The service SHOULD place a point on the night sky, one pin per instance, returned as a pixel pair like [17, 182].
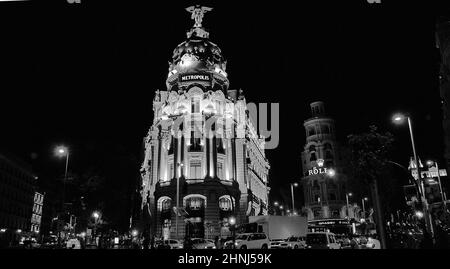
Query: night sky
[85, 75]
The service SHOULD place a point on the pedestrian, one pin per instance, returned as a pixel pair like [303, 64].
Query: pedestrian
[217, 242]
[152, 242]
[353, 242]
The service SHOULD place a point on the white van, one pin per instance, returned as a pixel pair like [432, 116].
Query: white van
[321, 240]
[73, 244]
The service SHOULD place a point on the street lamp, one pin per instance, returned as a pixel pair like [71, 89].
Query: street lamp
[178, 199]
[431, 163]
[62, 151]
[331, 172]
[292, 194]
[96, 216]
[363, 206]
[346, 197]
[399, 119]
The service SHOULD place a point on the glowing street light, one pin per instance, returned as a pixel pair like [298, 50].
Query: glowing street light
[276, 204]
[134, 233]
[96, 215]
[295, 184]
[399, 119]
[346, 197]
[419, 214]
[331, 172]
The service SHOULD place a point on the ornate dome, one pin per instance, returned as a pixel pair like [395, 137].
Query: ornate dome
[196, 54]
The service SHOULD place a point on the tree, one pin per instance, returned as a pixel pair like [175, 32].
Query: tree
[369, 161]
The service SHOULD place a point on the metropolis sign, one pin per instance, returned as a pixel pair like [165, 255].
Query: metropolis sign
[195, 77]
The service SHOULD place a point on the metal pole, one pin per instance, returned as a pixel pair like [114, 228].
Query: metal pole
[346, 197]
[440, 186]
[178, 204]
[419, 178]
[364, 208]
[292, 194]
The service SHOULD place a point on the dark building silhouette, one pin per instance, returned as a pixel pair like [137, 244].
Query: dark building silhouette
[17, 191]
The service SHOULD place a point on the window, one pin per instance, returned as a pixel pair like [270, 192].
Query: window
[165, 205]
[195, 203]
[171, 145]
[328, 154]
[220, 170]
[313, 157]
[220, 147]
[225, 204]
[195, 105]
[312, 148]
[311, 131]
[195, 169]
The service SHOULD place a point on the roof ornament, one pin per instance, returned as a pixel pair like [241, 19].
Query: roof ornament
[198, 12]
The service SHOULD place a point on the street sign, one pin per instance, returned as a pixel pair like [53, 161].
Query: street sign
[429, 173]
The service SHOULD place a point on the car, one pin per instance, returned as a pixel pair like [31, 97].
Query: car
[173, 244]
[321, 240]
[275, 243]
[200, 243]
[249, 241]
[294, 242]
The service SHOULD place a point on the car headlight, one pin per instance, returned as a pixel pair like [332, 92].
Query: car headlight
[235, 243]
[214, 247]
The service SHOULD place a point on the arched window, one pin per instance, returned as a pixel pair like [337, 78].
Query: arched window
[328, 154]
[194, 201]
[225, 204]
[312, 148]
[311, 131]
[313, 157]
[164, 204]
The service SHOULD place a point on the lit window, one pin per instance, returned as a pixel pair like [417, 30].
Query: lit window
[195, 169]
[195, 105]
[220, 170]
[225, 204]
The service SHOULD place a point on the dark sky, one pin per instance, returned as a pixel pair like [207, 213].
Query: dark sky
[85, 74]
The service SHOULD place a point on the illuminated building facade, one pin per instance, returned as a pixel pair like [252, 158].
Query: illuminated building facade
[201, 137]
[36, 216]
[17, 187]
[324, 169]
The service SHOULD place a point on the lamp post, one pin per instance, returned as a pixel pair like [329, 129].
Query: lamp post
[292, 195]
[62, 151]
[96, 216]
[346, 197]
[178, 200]
[399, 118]
[363, 206]
[431, 163]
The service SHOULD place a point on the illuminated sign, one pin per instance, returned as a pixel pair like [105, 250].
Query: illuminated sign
[316, 171]
[330, 222]
[195, 77]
